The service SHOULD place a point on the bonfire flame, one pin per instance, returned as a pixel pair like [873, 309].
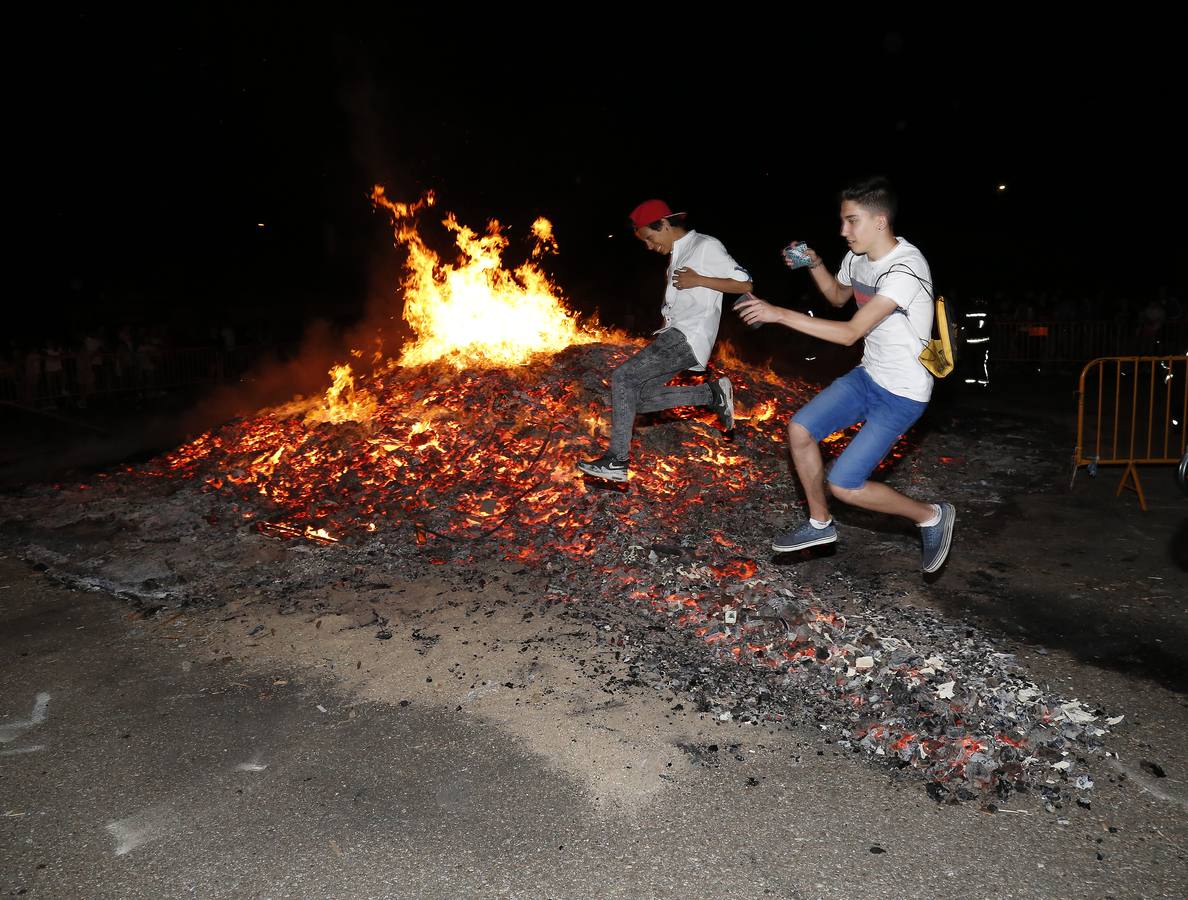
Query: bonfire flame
[476, 313]
[343, 403]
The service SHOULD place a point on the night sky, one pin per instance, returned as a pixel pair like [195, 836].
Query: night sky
[157, 146]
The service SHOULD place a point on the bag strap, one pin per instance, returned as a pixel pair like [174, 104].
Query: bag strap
[905, 269]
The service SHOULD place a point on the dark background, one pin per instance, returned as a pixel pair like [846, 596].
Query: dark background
[153, 147]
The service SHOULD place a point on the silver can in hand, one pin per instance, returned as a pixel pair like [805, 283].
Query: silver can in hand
[796, 255]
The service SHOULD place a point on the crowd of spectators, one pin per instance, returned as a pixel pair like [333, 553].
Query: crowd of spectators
[74, 369]
[1143, 323]
[1143, 312]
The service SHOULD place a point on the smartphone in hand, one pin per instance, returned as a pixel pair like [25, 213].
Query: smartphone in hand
[747, 296]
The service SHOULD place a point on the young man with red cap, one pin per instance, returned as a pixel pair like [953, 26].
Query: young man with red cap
[699, 272]
[891, 283]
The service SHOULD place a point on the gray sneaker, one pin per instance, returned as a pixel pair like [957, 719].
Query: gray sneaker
[605, 467]
[723, 392]
[937, 538]
[807, 535]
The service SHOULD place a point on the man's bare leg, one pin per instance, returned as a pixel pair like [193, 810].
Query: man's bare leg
[878, 497]
[810, 469]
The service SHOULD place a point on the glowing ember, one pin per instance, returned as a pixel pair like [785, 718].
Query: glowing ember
[460, 456]
[476, 312]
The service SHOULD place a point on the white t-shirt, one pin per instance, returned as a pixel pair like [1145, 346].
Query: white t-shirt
[697, 312]
[892, 349]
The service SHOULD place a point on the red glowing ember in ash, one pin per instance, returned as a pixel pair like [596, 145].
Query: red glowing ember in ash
[481, 458]
[473, 433]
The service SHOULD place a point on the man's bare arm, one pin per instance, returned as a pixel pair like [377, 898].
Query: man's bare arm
[688, 278]
[834, 292]
[753, 311]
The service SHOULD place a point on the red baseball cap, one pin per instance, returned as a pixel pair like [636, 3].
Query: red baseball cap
[651, 211]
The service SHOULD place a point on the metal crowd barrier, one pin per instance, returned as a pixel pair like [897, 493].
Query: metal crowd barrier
[1079, 341]
[1131, 411]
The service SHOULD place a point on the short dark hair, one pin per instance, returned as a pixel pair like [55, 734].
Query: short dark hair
[676, 220]
[875, 194]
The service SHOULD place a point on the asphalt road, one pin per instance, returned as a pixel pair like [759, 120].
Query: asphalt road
[134, 765]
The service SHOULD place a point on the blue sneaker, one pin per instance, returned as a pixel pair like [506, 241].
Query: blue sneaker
[807, 535]
[605, 467]
[937, 538]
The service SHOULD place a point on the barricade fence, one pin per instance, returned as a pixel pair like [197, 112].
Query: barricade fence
[1077, 342]
[1131, 411]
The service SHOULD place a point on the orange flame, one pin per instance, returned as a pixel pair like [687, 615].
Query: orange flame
[343, 403]
[761, 413]
[542, 230]
[476, 312]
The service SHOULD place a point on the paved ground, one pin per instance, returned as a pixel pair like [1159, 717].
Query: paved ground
[137, 763]
[174, 756]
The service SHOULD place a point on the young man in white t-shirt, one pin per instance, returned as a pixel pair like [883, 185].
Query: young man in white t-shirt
[699, 272]
[891, 283]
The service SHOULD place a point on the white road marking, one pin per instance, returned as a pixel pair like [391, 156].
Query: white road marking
[20, 750]
[11, 731]
[139, 828]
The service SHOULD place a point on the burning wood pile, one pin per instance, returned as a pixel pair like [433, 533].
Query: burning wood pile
[461, 454]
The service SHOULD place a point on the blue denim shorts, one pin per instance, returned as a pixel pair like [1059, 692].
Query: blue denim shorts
[856, 398]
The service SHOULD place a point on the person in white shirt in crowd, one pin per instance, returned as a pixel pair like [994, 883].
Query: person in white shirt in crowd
[700, 271]
[890, 282]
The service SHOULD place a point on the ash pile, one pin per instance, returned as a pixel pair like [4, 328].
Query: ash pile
[471, 468]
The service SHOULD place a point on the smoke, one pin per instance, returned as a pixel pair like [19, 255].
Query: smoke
[50, 446]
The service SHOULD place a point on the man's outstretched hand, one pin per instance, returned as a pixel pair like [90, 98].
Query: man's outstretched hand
[755, 311]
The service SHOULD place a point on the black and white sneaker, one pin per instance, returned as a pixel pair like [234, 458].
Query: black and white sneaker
[605, 467]
[723, 392]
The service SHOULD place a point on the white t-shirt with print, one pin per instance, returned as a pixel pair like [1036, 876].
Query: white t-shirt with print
[892, 349]
[697, 312]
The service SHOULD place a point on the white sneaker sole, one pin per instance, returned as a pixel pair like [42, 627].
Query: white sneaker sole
[605, 474]
[794, 547]
[946, 543]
